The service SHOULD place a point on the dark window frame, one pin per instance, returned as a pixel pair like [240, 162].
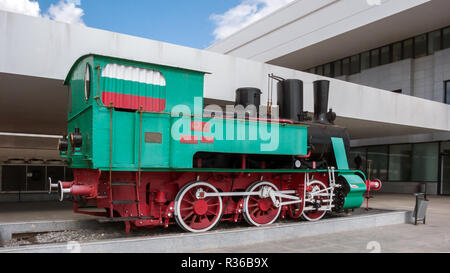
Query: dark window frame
[446, 99]
[403, 48]
[415, 50]
[401, 51]
[389, 54]
[379, 57]
[440, 41]
[361, 58]
[348, 68]
[340, 68]
[358, 65]
[443, 40]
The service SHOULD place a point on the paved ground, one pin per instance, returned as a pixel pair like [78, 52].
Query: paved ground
[432, 237]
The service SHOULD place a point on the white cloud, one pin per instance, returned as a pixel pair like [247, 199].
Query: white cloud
[242, 15]
[26, 7]
[67, 11]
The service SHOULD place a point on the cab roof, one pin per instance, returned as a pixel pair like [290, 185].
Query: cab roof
[66, 81]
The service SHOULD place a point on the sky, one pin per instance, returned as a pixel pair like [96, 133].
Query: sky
[192, 23]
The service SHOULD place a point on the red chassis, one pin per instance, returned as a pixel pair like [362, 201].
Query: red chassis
[197, 201]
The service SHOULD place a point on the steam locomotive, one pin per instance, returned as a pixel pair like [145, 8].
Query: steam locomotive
[145, 151]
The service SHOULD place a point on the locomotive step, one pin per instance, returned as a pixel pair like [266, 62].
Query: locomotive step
[123, 184]
[123, 219]
[121, 202]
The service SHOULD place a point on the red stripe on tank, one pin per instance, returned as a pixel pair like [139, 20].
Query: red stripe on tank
[189, 139]
[198, 126]
[207, 140]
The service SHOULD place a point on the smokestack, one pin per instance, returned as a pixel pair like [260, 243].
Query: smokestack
[290, 100]
[321, 93]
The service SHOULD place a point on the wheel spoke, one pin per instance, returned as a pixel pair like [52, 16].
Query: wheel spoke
[191, 194]
[205, 218]
[254, 211]
[210, 212]
[187, 201]
[187, 216]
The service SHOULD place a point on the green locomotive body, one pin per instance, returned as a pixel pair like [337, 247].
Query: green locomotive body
[144, 148]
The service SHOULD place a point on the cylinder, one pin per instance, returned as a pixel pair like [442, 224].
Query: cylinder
[290, 99]
[321, 93]
[249, 96]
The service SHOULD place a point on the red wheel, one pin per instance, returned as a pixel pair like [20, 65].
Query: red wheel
[316, 194]
[259, 209]
[196, 213]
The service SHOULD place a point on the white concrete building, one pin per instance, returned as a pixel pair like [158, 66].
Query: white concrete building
[36, 54]
[395, 45]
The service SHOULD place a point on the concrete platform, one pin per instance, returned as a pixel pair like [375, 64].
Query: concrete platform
[17, 212]
[8, 229]
[432, 237]
[31, 217]
[236, 237]
[407, 238]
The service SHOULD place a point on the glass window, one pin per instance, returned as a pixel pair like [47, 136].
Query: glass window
[445, 147]
[408, 49]
[87, 82]
[400, 162]
[399, 91]
[434, 41]
[319, 70]
[327, 70]
[375, 57]
[446, 37]
[365, 60]
[346, 66]
[420, 46]
[337, 68]
[357, 158]
[311, 70]
[69, 98]
[377, 162]
[425, 162]
[385, 55]
[447, 92]
[354, 64]
[397, 52]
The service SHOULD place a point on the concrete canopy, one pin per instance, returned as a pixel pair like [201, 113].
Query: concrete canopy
[36, 54]
[311, 32]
